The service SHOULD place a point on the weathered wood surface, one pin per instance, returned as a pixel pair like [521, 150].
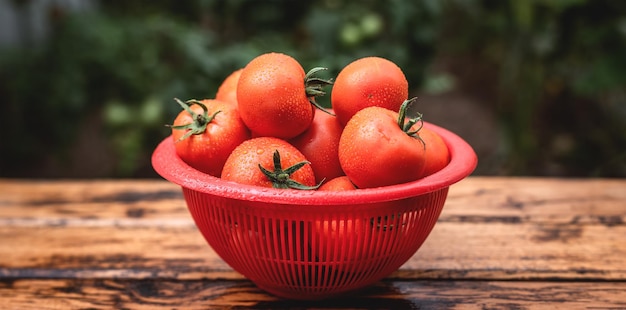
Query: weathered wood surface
[499, 243]
[224, 294]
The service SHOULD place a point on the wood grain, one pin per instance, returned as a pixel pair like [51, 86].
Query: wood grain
[196, 294]
[499, 243]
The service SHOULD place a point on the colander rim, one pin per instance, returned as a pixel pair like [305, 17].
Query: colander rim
[463, 161]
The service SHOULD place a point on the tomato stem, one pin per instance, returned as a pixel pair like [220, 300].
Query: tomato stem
[406, 123]
[282, 178]
[200, 121]
[314, 87]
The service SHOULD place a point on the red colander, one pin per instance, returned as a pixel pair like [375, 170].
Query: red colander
[315, 244]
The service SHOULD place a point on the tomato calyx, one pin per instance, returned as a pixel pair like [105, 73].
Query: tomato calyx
[406, 123]
[314, 86]
[200, 121]
[281, 178]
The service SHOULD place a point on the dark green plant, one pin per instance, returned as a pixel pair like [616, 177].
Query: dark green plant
[558, 73]
[122, 65]
[553, 72]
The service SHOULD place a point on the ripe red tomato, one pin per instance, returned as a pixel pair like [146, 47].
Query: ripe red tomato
[269, 162]
[337, 235]
[341, 183]
[206, 132]
[320, 145]
[366, 82]
[437, 153]
[245, 237]
[228, 89]
[378, 147]
[276, 97]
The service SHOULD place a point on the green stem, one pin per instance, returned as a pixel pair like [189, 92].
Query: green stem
[314, 87]
[200, 121]
[282, 178]
[406, 123]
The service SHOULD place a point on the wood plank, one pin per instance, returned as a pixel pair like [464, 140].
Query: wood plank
[473, 199]
[528, 228]
[198, 294]
[104, 252]
[181, 252]
[491, 228]
[90, 199]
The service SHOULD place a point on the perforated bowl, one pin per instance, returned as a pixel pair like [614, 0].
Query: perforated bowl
[315, 244]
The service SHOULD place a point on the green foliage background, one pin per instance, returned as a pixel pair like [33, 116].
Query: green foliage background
[553, 73]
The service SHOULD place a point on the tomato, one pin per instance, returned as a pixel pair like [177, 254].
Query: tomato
[343, 241]
[248, 239]
[320, 145]
[341, 183]
[206, 132]
[437, 153]
[378, 147]
[227, 91]
[339, 235]
[366, 82]
[269, 162]
[276, 98]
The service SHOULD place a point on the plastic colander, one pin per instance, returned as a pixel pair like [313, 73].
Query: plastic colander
[315, 244]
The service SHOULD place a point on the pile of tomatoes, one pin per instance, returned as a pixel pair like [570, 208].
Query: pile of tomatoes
[264, 127]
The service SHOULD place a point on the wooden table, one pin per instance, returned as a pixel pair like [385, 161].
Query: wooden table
[509, 243]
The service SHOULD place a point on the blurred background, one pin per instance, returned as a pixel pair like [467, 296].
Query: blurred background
[537, 87]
